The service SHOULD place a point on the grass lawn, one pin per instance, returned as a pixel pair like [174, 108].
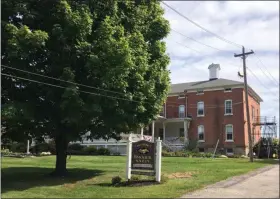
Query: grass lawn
[90, 177]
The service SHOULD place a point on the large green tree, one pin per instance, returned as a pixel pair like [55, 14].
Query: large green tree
[116, 48]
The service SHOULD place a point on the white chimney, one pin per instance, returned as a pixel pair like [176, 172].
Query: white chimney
[214, 71]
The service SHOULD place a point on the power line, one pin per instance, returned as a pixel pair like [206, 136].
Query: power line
[191, 21]
[199, 52]
[197, 41]
[265, 74]
[25, 71]
[267, 70]
[259, 80]
[186, 46]
[58, 86]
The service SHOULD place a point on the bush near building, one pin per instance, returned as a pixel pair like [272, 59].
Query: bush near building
[266, 147]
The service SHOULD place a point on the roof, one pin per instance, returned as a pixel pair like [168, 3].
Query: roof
[190, 86]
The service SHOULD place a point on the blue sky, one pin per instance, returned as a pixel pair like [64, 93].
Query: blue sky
[254, 24]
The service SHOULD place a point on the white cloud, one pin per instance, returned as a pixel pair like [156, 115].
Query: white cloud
[253, 24]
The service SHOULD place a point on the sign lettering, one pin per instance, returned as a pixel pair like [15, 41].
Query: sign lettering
[143, 155]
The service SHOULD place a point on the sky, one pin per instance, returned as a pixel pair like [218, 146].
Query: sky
[253, 24]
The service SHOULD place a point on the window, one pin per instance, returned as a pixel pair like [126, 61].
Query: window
[229, 151]
[201, 150]
[181, 111]
[229, 132]
[162, 111]
[227, 90]
[181, 132]
[200, 109]
[181, 96]
[200, 92]
[200, 133]
[228, 107]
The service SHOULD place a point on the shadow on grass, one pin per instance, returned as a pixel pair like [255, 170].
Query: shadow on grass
[267, 161]
[130, 184]
[22, 178]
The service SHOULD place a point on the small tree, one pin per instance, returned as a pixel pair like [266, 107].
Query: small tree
[191, 145]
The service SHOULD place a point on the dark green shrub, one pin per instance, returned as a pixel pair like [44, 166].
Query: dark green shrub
[90, 150]
[18, 147]
[191, 145]
[117, 153]
[164, 153]
[43, 147]
[208, 155]
[116, 180]
[103, 151]
[261, 147]
[179, 153]
[75, 147]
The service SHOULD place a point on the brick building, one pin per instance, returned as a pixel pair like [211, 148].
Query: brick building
[206, 111]
[203, 112]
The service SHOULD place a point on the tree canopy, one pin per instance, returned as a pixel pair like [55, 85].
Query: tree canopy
[106, 62]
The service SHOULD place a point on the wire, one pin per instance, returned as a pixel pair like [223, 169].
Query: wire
[198, 41]
[25, 71]
[191, 21]
[259, 80]
[267, 70]
[53, 85]
[186, 46]
[199, 52]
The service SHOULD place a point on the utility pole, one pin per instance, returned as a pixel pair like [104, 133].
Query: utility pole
[243, 55]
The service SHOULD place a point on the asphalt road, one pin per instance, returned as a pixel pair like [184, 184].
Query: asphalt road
[262, 183]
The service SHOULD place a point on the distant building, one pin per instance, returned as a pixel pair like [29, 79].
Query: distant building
[202, 111]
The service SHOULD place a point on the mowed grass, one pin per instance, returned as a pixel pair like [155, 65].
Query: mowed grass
[91, 177]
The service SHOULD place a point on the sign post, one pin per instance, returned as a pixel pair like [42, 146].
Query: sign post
[143, 158]
[128, 160]
[158, 160]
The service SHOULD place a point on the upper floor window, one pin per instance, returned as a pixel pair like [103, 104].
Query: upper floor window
[200, 108]
[181, 96]
[200, 92]
[227, 90]
[229, 132]
[200, 133]
[181, 111]
[228, 107]
[162, 112]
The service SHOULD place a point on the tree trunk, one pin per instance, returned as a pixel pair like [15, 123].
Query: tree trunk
[61, 145]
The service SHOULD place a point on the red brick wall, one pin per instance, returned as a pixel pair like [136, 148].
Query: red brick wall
[214, 120]
[252, 102]
[172, 106]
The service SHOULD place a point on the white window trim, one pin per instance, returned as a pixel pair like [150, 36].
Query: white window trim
[227, 133]
[181, 96]
[180, 112]
[226, 107]
[203, 109]
[228, 91]
[198, 133]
